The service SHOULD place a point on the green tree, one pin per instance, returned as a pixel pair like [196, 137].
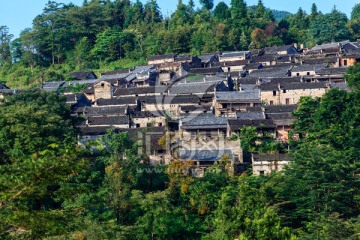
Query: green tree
[5, 44]
[207, 4]
[39, 160]
[221, 11]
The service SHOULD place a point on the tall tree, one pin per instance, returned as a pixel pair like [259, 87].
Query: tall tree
[207, 4]
[5, 43]
[221, 11]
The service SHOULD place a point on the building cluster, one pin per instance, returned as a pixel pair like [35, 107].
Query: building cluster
[199, 103]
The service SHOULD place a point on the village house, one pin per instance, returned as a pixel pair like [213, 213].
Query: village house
[105, 111]
[123, 101]
[110, 121]
[139, 91]
[282, 118]
[103, 90]
[290, 93]
[208, 60]
[281, 50]
[83, 75]
[227, 103]
[159, 59]
[306, 70]
[234, 56]
[167, 105]
[263, 164]
[265, 127]
[147, 119]
[233, 66]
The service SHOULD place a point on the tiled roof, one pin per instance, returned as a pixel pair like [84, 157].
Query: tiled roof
[260, 157]
[306, 67]
[211, 70]
[130, 91]
[204, 121]
[170, 99]
[103, 111]
[280, 108]
[238, 96]
[250, 115]
[81, 75]
[331, 71]
[52, 86]
[233, 54]
[311, 85]
[236, 124]
[204, 155]
[117, 101]
[108, 121]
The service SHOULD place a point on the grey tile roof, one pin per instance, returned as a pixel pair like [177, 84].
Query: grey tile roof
[321, 60]
[233, 54]
[264, 58]
[103, 111]
[331, 71]
[52, 86]
[238, 96]
[275, 71]
[236, 124]
[280, 108]
[117, 101]
[207, 57]
[204, 71]
[108, 121]
[272, 50]
[306, 67]
[204, 155]
[81, 75]
[194, 87]
[259, 157]
[115, 76]
[131, 91]
[329, 45]
[342, 86]
[87, 82]
[204, 121]
[311, 85]
[191, 108]
[170, 99]
[250, 115]
[95, 131]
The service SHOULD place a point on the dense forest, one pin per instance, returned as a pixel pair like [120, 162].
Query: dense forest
[52, 189]
[104, 34]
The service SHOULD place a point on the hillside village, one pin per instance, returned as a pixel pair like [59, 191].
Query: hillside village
[199, 103]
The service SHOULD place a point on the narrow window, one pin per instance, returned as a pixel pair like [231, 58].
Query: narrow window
[274, 93]
[271, 102]
[287, 101]
[345, 62]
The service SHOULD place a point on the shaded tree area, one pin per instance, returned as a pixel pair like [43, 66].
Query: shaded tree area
[51, 189]
[118, 34]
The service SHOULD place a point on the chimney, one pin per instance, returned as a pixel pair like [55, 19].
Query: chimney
[301, 46]
[295, 45]
[279, 86]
